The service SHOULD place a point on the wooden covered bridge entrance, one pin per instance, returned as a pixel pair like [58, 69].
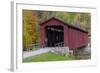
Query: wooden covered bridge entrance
[54, 36]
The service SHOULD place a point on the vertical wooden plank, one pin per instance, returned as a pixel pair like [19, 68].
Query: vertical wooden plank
[42, 32]
[65, 36]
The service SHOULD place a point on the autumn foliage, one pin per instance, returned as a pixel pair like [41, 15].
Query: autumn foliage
[29, 30]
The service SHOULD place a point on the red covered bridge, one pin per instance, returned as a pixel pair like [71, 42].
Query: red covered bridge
[55, 32]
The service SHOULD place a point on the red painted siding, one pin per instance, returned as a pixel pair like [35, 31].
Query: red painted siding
[77, 38]
[42, 37]
[66, 36]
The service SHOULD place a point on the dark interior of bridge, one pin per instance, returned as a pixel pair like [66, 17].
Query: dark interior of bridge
[54, 36]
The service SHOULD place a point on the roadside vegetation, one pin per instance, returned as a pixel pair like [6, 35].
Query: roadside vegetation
[48, 57]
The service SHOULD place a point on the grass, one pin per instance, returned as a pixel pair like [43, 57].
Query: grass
[47, 57]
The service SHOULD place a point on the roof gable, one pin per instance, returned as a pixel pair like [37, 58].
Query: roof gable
[53, 18]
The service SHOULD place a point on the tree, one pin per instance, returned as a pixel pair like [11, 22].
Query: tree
[29, 28]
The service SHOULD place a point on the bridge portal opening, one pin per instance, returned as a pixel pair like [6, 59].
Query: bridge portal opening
[54, 36]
